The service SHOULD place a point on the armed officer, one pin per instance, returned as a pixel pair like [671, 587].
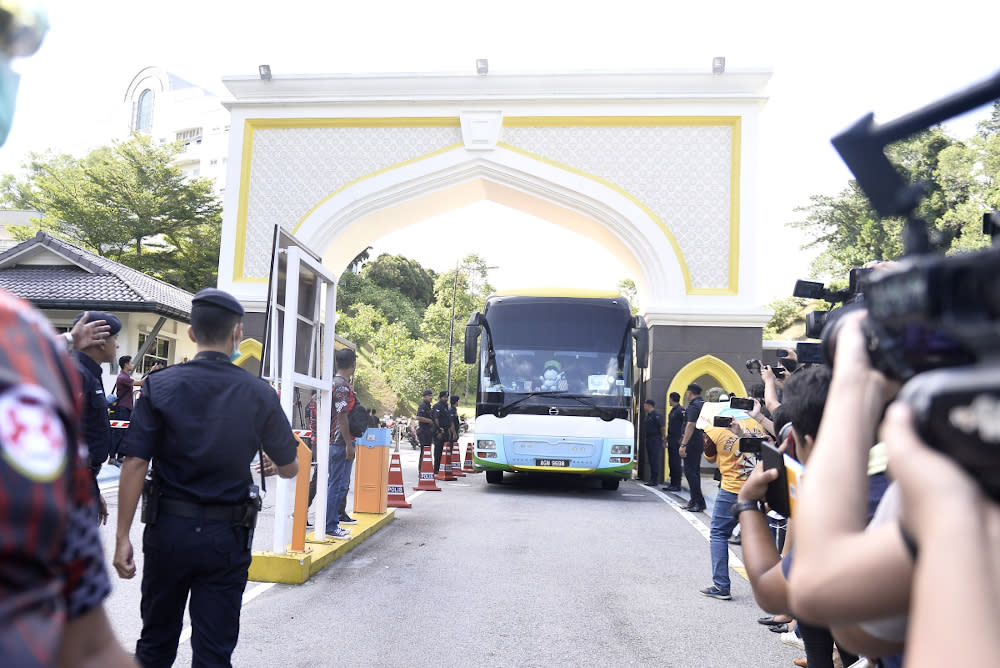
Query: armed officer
[201, 423]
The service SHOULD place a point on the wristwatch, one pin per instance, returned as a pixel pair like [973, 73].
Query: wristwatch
[740, 506]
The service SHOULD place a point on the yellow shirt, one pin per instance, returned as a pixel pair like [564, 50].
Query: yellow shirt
[734, 465]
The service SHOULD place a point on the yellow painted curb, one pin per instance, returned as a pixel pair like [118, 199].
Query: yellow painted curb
[297, 567]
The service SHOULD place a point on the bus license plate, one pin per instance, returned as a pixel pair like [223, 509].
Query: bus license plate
[552, 462]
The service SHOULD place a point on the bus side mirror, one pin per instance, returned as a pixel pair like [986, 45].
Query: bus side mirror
[641, 335]
[471, 334]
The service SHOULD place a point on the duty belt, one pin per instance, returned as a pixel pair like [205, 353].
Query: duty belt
[224, 513]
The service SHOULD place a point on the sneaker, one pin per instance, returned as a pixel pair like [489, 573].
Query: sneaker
[340, 533]
[347, 519]
[790, 638]
[715, 592]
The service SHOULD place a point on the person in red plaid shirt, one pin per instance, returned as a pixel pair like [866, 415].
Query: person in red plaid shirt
[52, 576]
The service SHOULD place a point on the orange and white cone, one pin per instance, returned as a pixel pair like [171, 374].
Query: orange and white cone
[426, 482]
[456, 460]
[444, 469]
[468, 466]
[397, 497]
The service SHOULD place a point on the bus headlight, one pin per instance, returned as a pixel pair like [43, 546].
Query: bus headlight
[486, 444]
[621, 449]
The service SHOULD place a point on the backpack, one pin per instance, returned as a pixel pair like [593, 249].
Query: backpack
[357, 417]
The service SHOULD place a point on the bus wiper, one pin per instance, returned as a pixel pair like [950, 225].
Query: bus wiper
[583, 399]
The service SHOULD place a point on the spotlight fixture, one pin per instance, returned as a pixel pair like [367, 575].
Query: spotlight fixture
[482, 66]
[718, 65]
[265, 72]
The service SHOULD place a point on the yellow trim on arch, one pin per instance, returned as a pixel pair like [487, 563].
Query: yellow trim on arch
[251, 125]
[707, 365]
[733, 122]
[735, 125]
[249, 349]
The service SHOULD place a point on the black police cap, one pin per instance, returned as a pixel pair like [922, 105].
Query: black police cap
[93, 316]
[217, 297]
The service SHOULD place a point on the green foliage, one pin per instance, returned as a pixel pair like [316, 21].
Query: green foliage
[786, 311]
[405, 276]
[129, 203]
[960, 181]
[627, 289]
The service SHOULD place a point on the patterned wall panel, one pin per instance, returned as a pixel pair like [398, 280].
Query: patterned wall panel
[294, 169]
[682, 173]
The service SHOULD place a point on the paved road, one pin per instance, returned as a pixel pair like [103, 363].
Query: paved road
[535, 572]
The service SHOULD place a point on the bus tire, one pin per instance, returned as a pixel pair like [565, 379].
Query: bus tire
[610, 484]
[493, 476]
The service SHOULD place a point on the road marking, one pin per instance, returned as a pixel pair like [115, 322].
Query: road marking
[734, 562]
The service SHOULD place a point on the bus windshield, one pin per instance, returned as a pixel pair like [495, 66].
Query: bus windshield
[581, 348]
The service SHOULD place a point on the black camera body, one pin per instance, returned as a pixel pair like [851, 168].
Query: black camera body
[958, 413]
[930, 312]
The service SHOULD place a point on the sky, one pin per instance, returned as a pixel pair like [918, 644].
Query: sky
[831, 63]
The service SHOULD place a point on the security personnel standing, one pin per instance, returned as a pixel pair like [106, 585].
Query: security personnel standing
[442, 427]
[652, 429]
[94, 422]
[201, 423]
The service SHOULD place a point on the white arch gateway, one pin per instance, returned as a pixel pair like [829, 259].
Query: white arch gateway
[658, 167]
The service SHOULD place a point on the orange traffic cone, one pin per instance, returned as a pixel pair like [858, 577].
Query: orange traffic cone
[456, 461]
[427, 473]
[444, 469]
[468, 466]
[397, 498]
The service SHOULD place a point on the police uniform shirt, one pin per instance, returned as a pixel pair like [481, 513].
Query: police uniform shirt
[96, 424]
[442, 418]
[652, 425]
[425, 430]
[201, 423]
[692, 413]
[675, 424]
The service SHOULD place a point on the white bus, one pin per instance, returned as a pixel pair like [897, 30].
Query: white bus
[555, 384]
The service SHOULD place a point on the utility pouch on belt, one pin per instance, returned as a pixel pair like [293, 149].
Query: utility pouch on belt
[253, 506]
[150, 501]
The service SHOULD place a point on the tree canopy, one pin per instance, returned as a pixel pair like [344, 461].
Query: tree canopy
[127, 202]
[960, 179]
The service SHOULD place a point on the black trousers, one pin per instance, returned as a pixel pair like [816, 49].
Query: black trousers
[438, 449]
[117, 435]
[209, 560]
[675, 462]
[654, 458]
[692, 470]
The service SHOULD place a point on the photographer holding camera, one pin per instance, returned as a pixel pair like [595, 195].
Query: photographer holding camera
[805, 397]
[844, 573]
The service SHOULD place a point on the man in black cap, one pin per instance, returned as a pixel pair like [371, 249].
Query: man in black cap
[201, 424]
[442, 427]
[95, 424]
[425, 416]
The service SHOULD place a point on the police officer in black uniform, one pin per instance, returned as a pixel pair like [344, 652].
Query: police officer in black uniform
[201, 423]
[94, 421]
[442, 427]
[652, 429]
[425, 422]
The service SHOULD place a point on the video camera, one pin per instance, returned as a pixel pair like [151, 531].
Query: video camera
[754, 366]
[852, 294]
[931, 321]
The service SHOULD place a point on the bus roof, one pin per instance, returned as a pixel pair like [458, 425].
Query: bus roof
[575, 293]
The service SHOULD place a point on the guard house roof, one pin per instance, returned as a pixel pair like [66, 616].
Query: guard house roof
[54, 274]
